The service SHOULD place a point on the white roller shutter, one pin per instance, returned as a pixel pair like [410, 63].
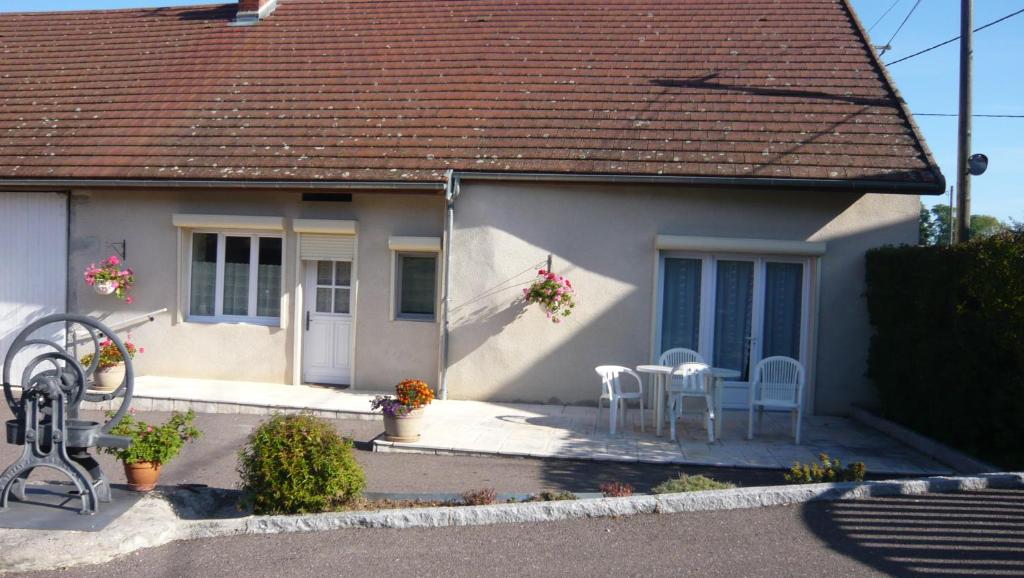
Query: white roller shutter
[314, 247]
[33, 265]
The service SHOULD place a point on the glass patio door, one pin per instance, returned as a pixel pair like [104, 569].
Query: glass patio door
[734, 310]
[734, 315]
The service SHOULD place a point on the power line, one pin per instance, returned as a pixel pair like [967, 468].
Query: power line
[974, 115]
[955, 38]
[888, 44]
[884, 14]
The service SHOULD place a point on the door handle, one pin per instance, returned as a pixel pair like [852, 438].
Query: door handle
[307, 320]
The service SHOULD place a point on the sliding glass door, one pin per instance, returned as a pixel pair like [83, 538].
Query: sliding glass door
[734, 310]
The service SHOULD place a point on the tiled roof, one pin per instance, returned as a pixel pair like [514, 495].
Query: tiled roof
[406, 89]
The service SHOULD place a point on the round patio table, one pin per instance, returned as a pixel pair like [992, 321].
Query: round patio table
[660, 376]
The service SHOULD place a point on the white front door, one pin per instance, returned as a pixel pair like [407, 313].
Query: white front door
[327, 323]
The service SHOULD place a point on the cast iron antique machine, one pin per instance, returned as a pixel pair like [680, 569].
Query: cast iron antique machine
[53, 385]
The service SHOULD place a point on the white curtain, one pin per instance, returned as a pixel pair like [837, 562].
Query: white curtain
[204, 274]
[733, 315]
[783, 297]
[236, 275]
[680, 319]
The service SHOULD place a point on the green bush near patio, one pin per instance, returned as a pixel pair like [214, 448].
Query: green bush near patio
[687, 483]
[298, 464]
[947, 355]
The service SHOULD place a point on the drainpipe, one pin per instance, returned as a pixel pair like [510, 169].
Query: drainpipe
[451, 191]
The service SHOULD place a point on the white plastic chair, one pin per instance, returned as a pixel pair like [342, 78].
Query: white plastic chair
[674, 358]
[691, 380]
[778, 383]
[611, 389]
[678, 356]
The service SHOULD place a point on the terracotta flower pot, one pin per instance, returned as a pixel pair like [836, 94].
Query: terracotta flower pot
[404, 428]
[142, 476]
[109, 378]
[104, 287]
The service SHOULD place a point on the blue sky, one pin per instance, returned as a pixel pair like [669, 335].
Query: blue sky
[928, 82]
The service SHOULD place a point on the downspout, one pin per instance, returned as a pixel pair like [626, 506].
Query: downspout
[451, 191]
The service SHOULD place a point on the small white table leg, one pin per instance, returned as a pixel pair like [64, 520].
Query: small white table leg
[659, 403]
[718, 408]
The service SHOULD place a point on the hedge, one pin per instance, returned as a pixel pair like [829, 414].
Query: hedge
[947, 354]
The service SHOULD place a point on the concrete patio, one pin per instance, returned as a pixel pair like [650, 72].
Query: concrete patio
[555, 431]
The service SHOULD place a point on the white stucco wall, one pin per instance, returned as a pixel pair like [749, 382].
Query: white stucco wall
[602, 237]
[386, 350]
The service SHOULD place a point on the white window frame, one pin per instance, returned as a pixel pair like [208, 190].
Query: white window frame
[396, 286]
[218, 299]
[709, 276]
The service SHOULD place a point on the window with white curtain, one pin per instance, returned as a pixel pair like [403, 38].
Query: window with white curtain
[734, 309]
[235, 277]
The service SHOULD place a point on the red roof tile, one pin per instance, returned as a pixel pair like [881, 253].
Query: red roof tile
[406, 89]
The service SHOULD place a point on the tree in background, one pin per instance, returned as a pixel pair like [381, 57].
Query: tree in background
[927, 233]
[936, 225]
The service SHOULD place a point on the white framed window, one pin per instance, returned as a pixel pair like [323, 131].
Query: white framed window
[735, 309]
[235, 277]
[415, 285]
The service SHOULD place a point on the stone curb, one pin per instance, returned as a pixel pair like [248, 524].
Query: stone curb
[142, 403]
[956, 459]
[153, 522]
[602, 507]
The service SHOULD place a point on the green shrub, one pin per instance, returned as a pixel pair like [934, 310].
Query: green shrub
[947, 354]
[481, 497]
[554, 496]
[685, 483]
[829, 470]
[297, 464]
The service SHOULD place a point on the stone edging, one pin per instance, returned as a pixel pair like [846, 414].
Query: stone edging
[738, 498]
[956, 459]
[152, 522]
[174, 404]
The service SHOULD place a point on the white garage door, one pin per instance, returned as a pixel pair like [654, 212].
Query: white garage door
[33, 263]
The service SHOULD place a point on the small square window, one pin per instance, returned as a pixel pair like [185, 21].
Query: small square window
[415, 286]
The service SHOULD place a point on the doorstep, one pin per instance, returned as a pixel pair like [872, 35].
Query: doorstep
[155, 393]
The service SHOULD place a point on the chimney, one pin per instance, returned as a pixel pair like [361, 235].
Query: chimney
[252, 11]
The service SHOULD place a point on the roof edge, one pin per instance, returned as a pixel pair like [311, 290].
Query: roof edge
[225, 184]
[863, 186]
[891, 85]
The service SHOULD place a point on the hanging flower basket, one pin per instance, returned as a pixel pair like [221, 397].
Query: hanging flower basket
[553, 293]
[111, 278]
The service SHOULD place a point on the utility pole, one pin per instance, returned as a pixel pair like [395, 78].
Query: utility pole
[963, 177]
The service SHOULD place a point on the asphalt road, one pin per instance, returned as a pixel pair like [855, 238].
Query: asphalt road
[212, 461]
[980, 533]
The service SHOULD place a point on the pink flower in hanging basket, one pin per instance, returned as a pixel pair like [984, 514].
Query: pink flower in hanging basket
[111, 274]
[553, 293]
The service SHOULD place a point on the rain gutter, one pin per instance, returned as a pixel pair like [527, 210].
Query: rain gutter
[223, 184]
[865, 186]
[451, 191]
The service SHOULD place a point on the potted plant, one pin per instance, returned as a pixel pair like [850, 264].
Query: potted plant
[110, 278]
[554, 293]
[110, 369]
[152, 446]
[403, 412]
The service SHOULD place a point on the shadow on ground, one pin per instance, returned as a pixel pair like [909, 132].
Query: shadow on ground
[978, 533]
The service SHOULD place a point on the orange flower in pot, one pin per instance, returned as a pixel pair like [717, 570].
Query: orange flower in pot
[403, 412]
